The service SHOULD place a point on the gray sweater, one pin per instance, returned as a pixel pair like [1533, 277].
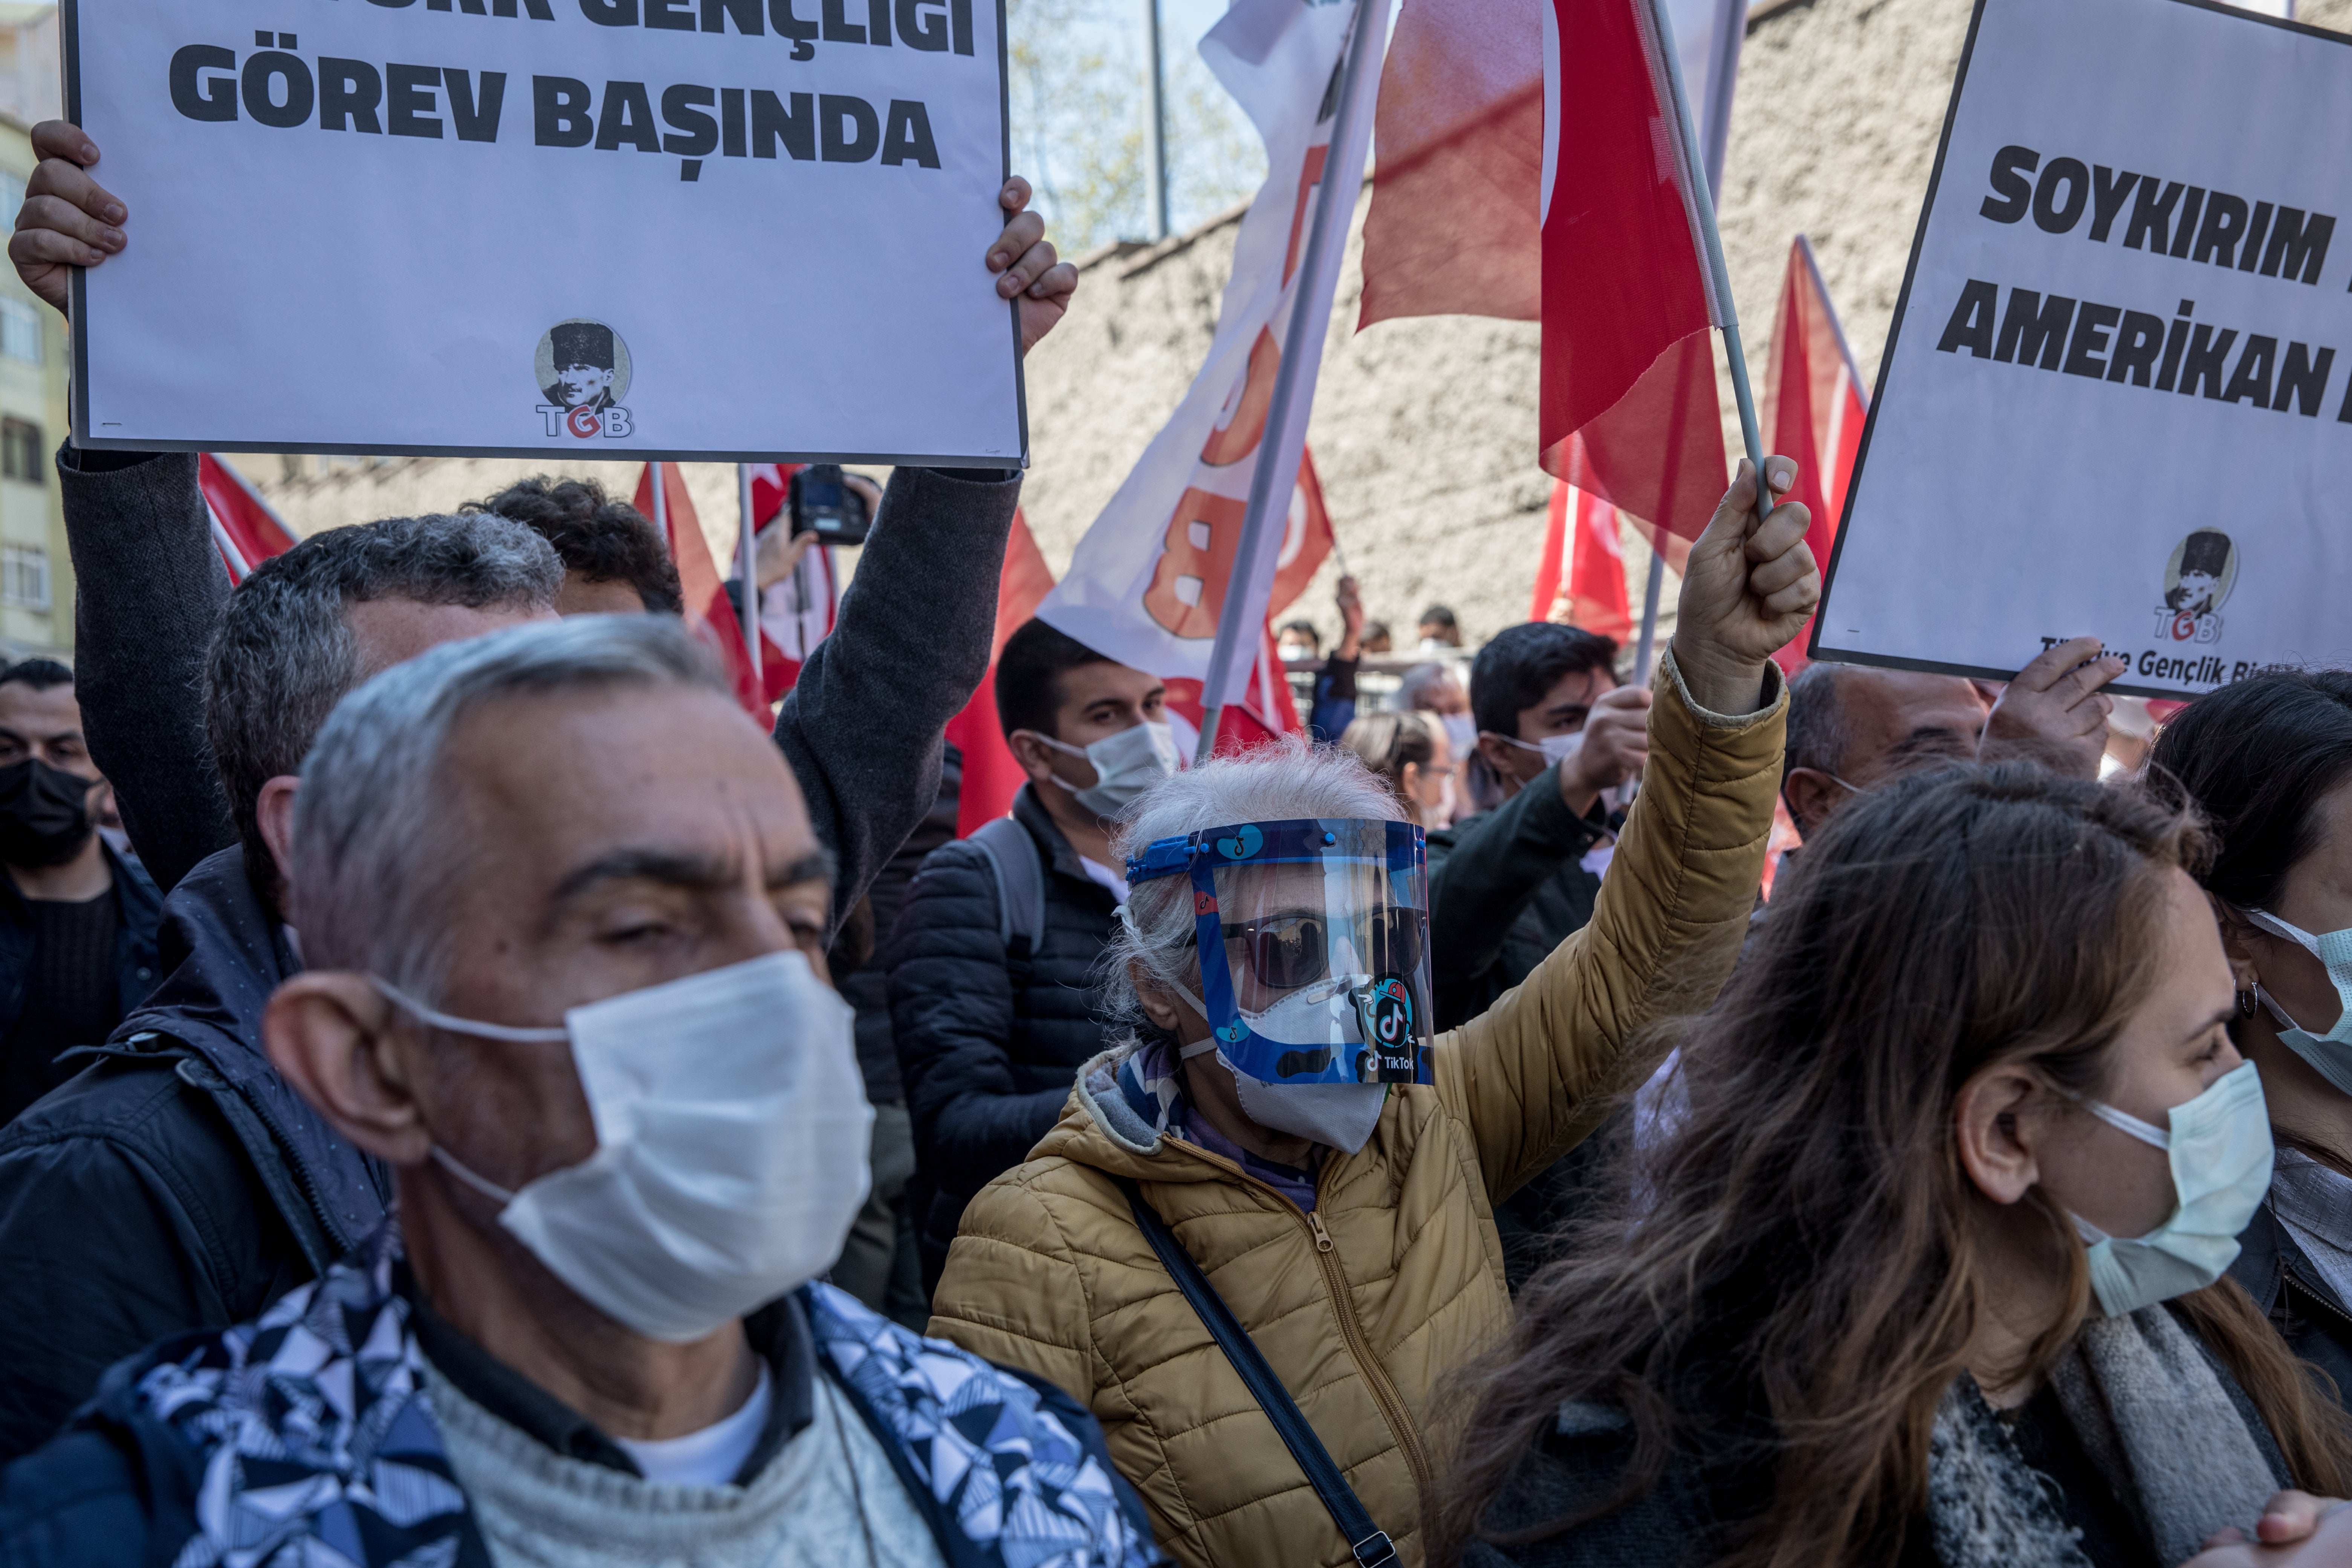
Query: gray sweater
[862, 729]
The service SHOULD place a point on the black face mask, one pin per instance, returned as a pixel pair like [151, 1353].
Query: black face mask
[44, 814]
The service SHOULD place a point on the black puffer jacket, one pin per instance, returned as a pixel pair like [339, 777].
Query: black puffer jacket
[990, 1046]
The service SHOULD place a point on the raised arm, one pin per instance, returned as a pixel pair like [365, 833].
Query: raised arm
[862, 728]
[1676, 899]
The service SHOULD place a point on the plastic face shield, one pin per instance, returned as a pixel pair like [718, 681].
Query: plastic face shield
[1314, 941]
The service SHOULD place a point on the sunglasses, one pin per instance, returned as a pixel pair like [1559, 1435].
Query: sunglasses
[1286, 951]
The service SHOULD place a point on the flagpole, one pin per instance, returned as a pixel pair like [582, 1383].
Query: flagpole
[661, 507]
[1155, 156]
[1703, 198]
[1302, 356]
[744, 548]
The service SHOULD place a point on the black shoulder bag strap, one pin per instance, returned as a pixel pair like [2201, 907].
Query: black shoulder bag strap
[1367, 1539]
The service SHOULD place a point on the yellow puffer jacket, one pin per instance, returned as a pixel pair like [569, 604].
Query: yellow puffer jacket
[1363, 1305]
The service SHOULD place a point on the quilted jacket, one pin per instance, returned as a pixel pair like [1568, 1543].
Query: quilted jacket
[1363, 1305]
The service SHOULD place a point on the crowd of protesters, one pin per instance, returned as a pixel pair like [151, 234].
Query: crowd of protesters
[470, 1098]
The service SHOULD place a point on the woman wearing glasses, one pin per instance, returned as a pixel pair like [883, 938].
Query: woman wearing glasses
[1262, 1233]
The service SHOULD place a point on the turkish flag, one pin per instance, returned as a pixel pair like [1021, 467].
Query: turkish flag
[1628, 409]
[771, 489]
[991, 775]
[244, 530]
[709, 615]
[1813, 410]
[1584, 530]
[1458, 144]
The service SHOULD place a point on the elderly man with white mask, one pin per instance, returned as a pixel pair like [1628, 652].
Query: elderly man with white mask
[1263, 1232]
[564, 914]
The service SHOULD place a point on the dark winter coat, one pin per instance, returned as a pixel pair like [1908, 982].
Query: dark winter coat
[139, 911]
[2316, 1323]
[178, 1184]
[991, 1043]
[1506, 888]
[181, 1183]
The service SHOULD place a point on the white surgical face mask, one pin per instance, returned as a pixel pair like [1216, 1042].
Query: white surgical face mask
[731, 1129]
[1556, 749]
[1338, 1115]
[1461, 733]
[1559, 749]
[2220, 1146]
[2330, 1053]
[1126, 765]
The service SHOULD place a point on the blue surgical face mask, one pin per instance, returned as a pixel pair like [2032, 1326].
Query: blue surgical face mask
[2220, 1146]
[2330, 1053]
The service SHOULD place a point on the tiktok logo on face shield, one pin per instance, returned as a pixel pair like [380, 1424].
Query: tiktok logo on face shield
[583, 369]
[1385, 1010]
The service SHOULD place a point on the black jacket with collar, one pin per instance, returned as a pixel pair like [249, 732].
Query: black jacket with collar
[2316, 1322]
[139, 911]
[991, 1043]
[180, 1181]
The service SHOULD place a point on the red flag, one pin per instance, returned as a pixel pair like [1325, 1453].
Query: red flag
[1305, 540]
[244, 530]
[1629, 408]
[1266, 712]
[1813, 410]
[1458, 143]
[709, 615]
[991, 775]
[1583, 528]
[771, 489]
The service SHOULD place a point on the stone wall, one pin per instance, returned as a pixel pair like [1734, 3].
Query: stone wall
[1424, 431]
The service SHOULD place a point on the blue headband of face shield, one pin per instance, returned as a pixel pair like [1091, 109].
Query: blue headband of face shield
[1314, 942]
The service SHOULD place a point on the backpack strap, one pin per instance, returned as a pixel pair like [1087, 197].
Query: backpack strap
[1020, 892]
[1366, 1540]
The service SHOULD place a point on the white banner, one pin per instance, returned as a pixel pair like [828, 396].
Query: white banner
[2114, 399]
[1147, 581]
[610, 228]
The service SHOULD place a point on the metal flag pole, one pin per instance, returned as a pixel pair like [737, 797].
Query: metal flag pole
[1240, 619]
[1703, 200]
[1155, 158]
[745, 547]
[661, 506]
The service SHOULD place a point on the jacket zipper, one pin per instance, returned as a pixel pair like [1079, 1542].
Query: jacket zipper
[1351, 1328]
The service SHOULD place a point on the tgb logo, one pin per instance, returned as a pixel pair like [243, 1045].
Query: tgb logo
[2197, 578]
[583, 366]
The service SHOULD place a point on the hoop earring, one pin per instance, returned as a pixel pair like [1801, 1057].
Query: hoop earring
[2249, 1000]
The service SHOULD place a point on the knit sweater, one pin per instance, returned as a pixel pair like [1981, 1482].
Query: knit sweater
[829, 1496]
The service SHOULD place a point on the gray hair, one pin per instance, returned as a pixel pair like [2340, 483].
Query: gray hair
[1273, 783]
[1819, 737]
[376, 866]
[284, 654]
[1418, 684]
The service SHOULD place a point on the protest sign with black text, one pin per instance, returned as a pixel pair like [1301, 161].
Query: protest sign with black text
[2116, 398]
[679, 228]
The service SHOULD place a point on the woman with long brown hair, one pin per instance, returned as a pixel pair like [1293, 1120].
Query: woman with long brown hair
[1920, 1262]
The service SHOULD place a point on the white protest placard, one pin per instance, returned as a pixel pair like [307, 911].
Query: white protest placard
[724, 229]
[2114, 399]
